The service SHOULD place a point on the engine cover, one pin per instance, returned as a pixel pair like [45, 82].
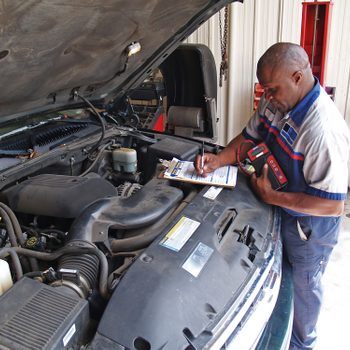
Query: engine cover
[57, 195]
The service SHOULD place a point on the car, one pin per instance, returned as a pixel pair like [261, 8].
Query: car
[97, 249]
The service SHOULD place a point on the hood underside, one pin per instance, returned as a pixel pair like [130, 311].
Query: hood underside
[51, 48]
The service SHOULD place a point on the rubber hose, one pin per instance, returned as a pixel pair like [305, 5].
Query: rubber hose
[9, 227]
[74, 250]
[98, 156]
[33, 274]
[15, 260]
[18, 232]
[86, 264]
[15, 223]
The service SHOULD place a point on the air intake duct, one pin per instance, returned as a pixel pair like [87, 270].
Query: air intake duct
[145, 207]
[78, 273]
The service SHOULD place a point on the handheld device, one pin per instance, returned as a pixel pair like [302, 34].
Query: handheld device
[260, 155]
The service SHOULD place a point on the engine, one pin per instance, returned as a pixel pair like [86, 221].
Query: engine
[73, 221]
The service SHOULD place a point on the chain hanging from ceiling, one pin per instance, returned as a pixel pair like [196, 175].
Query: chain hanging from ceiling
[223, 45]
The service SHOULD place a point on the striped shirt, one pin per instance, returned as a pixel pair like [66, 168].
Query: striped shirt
[311, 143]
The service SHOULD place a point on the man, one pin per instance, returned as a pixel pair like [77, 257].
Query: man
[310, 140]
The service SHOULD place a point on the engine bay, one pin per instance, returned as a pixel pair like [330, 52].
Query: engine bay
[77, 212]
[85, 218]
[53, 171]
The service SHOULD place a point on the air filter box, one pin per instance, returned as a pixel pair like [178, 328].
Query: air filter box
[168, 148]
[172, 147]
[39, 317]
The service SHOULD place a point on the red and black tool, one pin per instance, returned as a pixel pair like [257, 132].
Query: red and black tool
[260, 155]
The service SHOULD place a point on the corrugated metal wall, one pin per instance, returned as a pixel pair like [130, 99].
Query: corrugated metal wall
[253, 27]
[338, 67]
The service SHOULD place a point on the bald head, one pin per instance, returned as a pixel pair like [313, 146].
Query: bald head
[288, 56]
[285, 74]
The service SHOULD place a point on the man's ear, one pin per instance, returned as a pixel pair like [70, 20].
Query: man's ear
[297, 76]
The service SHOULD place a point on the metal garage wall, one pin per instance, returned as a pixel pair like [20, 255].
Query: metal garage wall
[338, 65]
[254, 26]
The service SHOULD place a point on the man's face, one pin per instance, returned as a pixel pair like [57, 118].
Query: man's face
[282, 87]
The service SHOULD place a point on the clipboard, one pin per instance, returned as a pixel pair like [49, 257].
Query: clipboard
[181, 170]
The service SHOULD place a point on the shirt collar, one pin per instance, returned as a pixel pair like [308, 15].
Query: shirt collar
[299, 112]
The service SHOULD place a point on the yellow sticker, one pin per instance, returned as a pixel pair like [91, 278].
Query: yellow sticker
[179, 234]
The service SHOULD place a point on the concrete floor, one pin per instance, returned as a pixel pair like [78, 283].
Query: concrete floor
[333, 325]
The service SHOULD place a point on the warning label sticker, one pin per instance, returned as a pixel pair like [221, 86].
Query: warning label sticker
[176, 238]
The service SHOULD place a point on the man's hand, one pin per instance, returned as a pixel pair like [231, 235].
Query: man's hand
[225, 157]
[262, 185]
[210, 162]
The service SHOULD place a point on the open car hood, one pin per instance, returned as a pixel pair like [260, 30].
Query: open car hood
[51, 48]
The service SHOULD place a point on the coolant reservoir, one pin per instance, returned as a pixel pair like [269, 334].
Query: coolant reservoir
[125, 160]
[5, 277]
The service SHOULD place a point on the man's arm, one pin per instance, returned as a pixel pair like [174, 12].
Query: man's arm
[297, 201]
[229, 154]
[306, 204]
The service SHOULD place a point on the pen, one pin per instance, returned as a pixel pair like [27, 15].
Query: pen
[202, 156]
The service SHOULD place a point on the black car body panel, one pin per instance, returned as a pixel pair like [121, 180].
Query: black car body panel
[164, 302]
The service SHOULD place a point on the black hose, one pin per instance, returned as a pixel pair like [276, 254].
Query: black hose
[73, 250]
[15, 260]
[33, 274]
[15, 223]
[86, 264]
[9, 227]
[100, 153]
[98, 115]
[15, 229]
